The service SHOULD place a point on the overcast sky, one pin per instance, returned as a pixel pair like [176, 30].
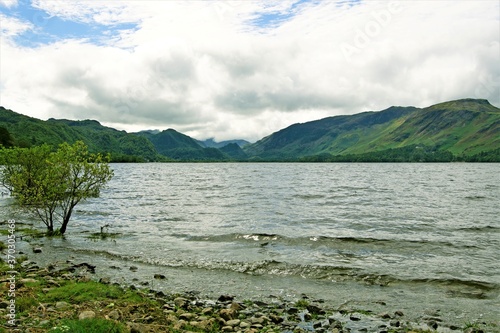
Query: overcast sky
[242, 69]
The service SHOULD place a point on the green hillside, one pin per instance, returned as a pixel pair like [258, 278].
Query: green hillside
[463, 128]
[179, 146]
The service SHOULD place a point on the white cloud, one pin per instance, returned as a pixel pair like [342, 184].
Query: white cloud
[11, 27]
[204, 68]
[8, 3]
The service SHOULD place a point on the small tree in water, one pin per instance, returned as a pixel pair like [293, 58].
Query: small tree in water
[50, 184]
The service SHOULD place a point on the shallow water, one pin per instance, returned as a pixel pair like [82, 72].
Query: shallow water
[418, 237]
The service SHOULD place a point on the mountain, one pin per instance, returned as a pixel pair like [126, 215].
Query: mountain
[179, 146]
[461, 130]
[465, 128]
[212, 144]
[27, 131]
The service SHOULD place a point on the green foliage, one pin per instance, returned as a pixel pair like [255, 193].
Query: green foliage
[6, 139]
[50, 184]
[410, 153]
[94, 325]
[25, 304]
[79, 292]
[28, 132]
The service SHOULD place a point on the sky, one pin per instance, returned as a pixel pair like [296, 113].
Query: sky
[242, 69]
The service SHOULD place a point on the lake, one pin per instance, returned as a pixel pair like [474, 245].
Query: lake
[419, 238]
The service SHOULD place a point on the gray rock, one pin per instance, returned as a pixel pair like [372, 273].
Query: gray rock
[62, 305]
[233, 322]
[37, 250]
[181, 302]
[115, 315]
[86, 315]
[187, 316]
[228, 314]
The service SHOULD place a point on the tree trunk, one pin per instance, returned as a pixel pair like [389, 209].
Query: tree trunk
[66, 218]
[50, 226]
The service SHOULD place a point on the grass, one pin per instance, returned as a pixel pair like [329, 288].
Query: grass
[79, 292]
[103, 235]
[301, 304]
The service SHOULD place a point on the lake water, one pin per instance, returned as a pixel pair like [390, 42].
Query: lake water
[419, 238]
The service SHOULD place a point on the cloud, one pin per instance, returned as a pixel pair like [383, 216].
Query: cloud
[8, 3]
[11, 27]
[243, 69]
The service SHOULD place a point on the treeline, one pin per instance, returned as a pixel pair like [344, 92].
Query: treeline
[413, 153]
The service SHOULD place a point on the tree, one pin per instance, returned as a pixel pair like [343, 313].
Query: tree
[51, 183]
[5, 138]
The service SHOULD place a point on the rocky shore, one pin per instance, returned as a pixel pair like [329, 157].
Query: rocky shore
[64, 296]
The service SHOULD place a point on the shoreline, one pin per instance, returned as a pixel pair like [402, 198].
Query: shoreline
[156, 311]
[181, 311]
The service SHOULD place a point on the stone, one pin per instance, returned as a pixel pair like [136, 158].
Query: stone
[62, 305]
[133, 268]
[384, 315]
[236, 306]
[207, 311]
[245, 324]
[88, 314]
[354, 317]
[181, 302]
[227, 329]
[314, 309]
[225, 298]
[187, 316]
[37, 250]
[115, 315]
[399, 313]
[159, 277]
[276, 319]
[233, 322]
[228, 314]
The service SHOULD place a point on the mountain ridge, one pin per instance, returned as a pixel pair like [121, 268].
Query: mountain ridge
[465, 129]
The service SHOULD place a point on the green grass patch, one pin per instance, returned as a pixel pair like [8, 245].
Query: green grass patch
[103, 235]
[78, 292]
[301, 304]
[95, 325]
[26, 304]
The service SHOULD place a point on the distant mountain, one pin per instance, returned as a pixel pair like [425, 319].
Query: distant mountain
[234, 151]
[210, 143]
[463, 128]
[178, 146]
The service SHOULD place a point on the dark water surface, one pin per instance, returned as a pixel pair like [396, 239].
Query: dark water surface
[418, 237]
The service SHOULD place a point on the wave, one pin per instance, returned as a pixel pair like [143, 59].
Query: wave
[487, 228]
[315, 240]
[335, 273]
